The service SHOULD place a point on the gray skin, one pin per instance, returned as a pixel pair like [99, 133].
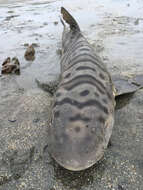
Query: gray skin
[78, 134]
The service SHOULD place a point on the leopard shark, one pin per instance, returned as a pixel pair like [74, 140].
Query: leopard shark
[82, 116]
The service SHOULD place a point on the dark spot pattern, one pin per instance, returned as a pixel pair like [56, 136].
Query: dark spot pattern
[78, 117]
[96, 94]
[80, 68]
[81, 105]
[56, 114]
[67, 75]
[109, 95]
[102, 76]
[104, 100]
[101, 119]
[84, 93]
[58, 94]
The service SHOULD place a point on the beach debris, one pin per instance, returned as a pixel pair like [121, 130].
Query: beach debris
[11, 66]
[30, 53]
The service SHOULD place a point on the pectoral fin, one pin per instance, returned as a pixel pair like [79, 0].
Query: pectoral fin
[127, 84]
[50, 86]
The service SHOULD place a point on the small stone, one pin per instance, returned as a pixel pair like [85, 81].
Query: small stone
[56, 22]
[137, 21]
[35, 45]
[11, 66]
[45, 23]
[8, 18]
[92, 25]
[30, 53]
[36, 120]
[10, 12]
[26, 45]
[12, 120]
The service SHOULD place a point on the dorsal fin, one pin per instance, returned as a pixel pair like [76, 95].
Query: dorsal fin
[69, 19]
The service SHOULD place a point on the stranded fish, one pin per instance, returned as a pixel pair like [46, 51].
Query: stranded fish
[82, 115]
[83, 109]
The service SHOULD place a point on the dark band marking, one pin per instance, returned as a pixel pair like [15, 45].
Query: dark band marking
[101, 119]
[84, 49]
[72, 51]
[85, 55]
[96, 94]
[85, 59]
[78, 117]
[87, 79]
[102, 76]
[105, 100]
[67, 76]
[82, 105]
[84, 93]
[78, 83]
[74, 44]
[58, 94]
[78, 44]
[85, 68]
[56, 114]
[109, 95]
[78, 50]
[66, 53]
[77, 37]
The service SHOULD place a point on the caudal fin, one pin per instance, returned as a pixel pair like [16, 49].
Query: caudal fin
[69, 19]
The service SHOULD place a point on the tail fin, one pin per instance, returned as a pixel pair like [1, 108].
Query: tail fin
[69, 19]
